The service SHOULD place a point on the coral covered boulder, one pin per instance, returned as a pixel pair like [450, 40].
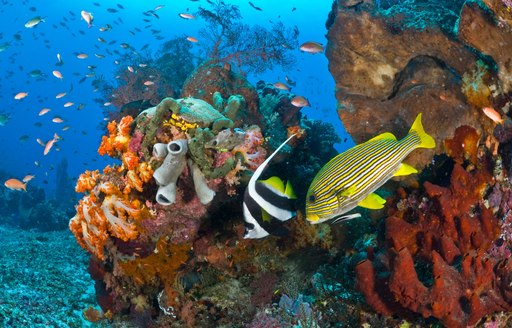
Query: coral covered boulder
[210, 78]
[385, 76]
[493, 38]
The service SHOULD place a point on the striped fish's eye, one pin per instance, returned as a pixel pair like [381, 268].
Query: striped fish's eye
[312, 198]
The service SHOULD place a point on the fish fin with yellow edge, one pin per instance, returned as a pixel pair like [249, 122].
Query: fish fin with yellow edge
[426, 141]
[372, 202]
[289, 190]
[382, 136]
[274, 182]
[405, 169]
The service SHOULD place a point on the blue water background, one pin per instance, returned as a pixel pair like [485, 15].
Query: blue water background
[66, 33]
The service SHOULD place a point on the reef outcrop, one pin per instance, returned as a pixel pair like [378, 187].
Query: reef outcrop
[489, 36]
[437, 259]
[211, 77]
[387, 73]
[168, 217]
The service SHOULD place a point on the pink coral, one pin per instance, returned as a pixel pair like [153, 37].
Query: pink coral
[135, 144]
[251, 148]
[180, 220]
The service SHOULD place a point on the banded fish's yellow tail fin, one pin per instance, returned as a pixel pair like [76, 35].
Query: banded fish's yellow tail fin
[426, 141]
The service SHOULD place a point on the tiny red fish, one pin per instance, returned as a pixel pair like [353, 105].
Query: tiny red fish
[493, 114]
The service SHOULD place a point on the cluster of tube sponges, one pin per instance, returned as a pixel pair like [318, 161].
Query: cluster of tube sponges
[174, 162]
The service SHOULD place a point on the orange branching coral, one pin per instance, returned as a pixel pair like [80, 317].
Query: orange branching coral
[137, 176]
[130, 160]
[86, 181]
[118, 139]
[98, 219]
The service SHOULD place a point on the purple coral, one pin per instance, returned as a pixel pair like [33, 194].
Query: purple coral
[135, 144]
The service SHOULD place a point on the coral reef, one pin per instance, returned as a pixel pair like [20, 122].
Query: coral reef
[440, 257]
[148, 221]
[210, 77]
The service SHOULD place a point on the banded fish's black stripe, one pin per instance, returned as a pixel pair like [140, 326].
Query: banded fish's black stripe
[273, 227]
[252, 206]
[270, 196]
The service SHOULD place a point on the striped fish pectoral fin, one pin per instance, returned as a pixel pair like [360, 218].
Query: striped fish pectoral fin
[343, 218]
[372, 202]
[346, 192]
[405, 169]
[426, 141]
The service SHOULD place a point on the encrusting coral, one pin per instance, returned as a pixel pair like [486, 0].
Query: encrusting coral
[442, 234]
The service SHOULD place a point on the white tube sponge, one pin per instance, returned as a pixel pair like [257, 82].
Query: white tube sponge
[166, 195]
[203, 192]
[160, 150]
[167, 174]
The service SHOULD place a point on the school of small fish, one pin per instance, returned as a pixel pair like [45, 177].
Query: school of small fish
[333, 192]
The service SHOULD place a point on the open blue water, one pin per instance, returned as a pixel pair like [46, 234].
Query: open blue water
[65, 33]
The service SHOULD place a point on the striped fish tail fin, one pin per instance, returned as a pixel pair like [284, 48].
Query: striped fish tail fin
[426, 141]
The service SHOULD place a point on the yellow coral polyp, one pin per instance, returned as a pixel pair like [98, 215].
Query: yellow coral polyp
[180, 123]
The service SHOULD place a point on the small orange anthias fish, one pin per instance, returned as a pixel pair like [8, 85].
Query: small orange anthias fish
[300, 101]
[50, 143]
[28, 177]
[192, 39]
[492, 114]
[311, 47]
[15, 184]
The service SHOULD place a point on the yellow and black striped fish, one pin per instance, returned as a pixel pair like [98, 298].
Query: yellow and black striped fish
[350, 179]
